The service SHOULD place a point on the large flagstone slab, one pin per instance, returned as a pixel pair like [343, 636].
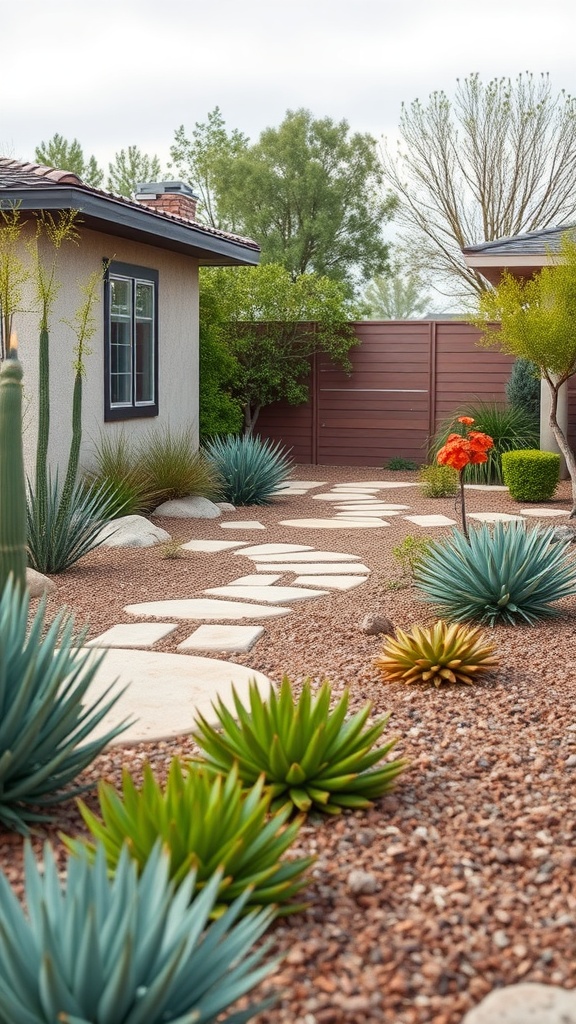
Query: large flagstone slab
[334, 524]
[222, 638]
[306, 485]
[337, 496]
[254, 580]
[309, 555]
[545, 513]
[380, 506]
[274, 549]
[242, 524]
[332, 582]
[270, 595]
[166, 691]
[212, 545]
[433, 520]
[316, 568]
[369, 514]
[133, 634]
[204, 608]
[494, 517]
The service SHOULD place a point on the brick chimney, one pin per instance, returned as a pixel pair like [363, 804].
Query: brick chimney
[173, 197]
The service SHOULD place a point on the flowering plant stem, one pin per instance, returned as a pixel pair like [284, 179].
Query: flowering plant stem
[468, 446]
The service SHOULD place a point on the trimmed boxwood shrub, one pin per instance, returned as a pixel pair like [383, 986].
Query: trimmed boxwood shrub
[531, 475]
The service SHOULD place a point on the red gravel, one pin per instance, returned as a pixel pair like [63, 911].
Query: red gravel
[460, 880]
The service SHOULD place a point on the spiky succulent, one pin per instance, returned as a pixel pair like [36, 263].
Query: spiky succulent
[205, 821]
[125, 950]
[45, 716]
[310, 755]
[251, 469]
[436, 654]
[503, 573]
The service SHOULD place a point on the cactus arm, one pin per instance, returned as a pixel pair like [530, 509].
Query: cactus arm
[12, 479]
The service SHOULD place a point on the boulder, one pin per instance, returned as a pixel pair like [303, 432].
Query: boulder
[193, 507]
[374, 623]
[38, 584]
[132, 532]
[526, 1003]
[225, 506]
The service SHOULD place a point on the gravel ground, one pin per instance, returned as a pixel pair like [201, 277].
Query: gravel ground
[461, 879]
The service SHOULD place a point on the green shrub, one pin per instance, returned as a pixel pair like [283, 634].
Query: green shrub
[205, 821]
[45, 713]
[251, 470]
[124, 950]
[398, 463]
[410, 552]
[523, 388]
[308, 754]
[503, 573]
[531, 475]
[510, 429]
[439, 481]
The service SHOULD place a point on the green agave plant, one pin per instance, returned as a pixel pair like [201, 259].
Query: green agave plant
[44, 716]
[309, 755]
[125, 950]
[251, 470]
[205, 821]
[504, 573]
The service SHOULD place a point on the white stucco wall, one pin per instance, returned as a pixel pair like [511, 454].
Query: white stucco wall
[177, 348]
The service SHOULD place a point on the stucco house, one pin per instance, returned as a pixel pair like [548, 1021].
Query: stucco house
[142, 369]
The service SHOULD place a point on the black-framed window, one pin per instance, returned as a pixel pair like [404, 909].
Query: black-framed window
[130, 342]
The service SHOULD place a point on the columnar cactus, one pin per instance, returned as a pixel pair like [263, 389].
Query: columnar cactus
[12, 479]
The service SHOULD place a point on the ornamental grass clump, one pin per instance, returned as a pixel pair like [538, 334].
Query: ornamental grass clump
[436, 654]
[205, 821]
[95, 949]
[500, 573]
[310, 755]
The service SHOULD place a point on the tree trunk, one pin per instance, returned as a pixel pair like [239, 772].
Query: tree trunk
[561, 439]
[250, 417]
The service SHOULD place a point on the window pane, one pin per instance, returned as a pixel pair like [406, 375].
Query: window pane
[144, 300]
[120, 363]
[120, 297]
[144, 363]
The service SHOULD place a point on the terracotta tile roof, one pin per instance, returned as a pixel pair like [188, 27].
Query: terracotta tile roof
[15, 175]
[529, 244]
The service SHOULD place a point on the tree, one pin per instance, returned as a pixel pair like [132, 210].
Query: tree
[205, 161]
[130, 168]
[271, 325]
[219, 412]
[399, 296]
[69, 156]
[535, 319]
[499, 160]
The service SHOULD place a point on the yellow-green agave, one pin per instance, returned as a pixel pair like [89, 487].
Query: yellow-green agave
[436, 654]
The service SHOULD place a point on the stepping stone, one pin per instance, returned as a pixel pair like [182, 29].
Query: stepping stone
[132, 634]
[546, 513]
[274, 549]
[397, 483]
[167, 690]
[526, 1002]
[381, 506]
[332, 582]
[334, 524]
[306, 485]
[204, 608]
[212, 545]
[370, 485]
[222, 638]
[272, 595]
[317, 568]
[255, 581]
[245, 524]
[369, 514]
[431, 520]
[486, 487]
[350, 496]
[494, 517]
[302, 555]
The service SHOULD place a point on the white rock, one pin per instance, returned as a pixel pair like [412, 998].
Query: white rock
[38, 584]
[225, 506]
[362, 882]
[193, 507]
[527, 1003]
[132, 532]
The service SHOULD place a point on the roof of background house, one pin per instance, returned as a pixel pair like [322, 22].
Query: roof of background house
[545, 240]
[32, 187]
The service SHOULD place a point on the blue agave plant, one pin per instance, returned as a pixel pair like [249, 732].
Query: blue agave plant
[251, 469]
[503, 573]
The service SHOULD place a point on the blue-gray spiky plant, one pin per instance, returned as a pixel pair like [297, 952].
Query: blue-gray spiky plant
[251, 469]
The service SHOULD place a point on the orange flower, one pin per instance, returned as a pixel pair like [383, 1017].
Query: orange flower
[479, 440]
[460, 450]
[466, 420]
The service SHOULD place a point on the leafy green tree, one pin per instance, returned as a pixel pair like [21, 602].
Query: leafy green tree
[69, 156]
[497, 160]
[535, 319]
[399, 296]
[204, 160]
[130, 168]
[271, 325]
[220, 412]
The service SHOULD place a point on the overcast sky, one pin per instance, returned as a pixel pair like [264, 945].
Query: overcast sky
[114, 73]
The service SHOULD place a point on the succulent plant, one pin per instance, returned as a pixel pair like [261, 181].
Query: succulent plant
[310, 755]
[205, 821]
[503, 573]
[125, 950]
[437, 654]
[44, 714]
[12, 477]
[251, 469]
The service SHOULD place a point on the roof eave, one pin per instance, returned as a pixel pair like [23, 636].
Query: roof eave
[492, 267]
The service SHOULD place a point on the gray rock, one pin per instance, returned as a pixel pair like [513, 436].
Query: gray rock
[373, 623]
[564, 533]
[193, 507]
[225, 506]
[38, 584]
[132, 532]
[527, 1003]
[362, 883]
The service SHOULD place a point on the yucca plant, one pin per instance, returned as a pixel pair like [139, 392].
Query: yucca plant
[310, 755]
[502, 573]
[437, 654]
[251, 470]
[58, 535]
[44, 714]
[126, 950]
[205, 821]
[509, 427]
